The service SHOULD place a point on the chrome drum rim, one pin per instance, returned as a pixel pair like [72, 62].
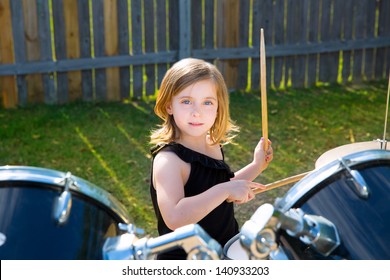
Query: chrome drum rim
[57, 178]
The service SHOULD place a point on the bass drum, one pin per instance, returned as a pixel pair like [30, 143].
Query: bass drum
[29, 229]
[361, 218]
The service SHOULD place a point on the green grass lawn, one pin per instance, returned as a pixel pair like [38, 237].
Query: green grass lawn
[107, 144]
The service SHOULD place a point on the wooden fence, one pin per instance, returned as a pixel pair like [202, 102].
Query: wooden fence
[57, 51]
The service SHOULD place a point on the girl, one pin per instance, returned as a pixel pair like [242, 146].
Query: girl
[190, 181]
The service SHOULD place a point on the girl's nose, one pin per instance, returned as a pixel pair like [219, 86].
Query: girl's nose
[195, 111]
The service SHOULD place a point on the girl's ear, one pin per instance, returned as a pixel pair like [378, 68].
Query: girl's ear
[169, 108]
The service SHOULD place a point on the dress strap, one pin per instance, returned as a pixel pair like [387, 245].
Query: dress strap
[191, 156]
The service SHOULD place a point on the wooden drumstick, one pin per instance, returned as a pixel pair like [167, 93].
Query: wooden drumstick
[263, 87]
[281, 183]
[387, 110]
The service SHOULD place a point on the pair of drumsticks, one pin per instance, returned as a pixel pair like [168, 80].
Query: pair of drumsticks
[264, 119]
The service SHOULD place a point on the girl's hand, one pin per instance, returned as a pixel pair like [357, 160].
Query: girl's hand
[241, 191]
[263, 158]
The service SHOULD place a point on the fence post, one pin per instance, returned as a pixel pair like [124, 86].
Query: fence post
[184, 28]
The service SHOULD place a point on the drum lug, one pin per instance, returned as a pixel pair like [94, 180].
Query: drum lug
[356, 181]
[63, 203]
[383, 143]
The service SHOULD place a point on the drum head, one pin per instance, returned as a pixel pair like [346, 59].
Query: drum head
[348, 149]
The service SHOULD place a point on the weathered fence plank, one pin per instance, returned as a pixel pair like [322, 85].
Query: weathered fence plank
[348, 34]
[173, 25]
[62, 89]
[256, 25]
[184, 28]
[387, 34]
[368, 70]
[111, 30]
[382, 63]
[300, 69]
[136, 23]
[227, 37]
[7, 83]
[72, 34]
[325, 34]
[99, 48]
[209, 25]
[296, 34]
[85, 47]
[278, 63]
[335, 35]
[46, 52]
[196, 24]
[162, 35]
[289, 39]
[243, 41]
[34, 81]
[313, 38]
[123, 48]
[360, 20]
[20, 51]
[265, 23]
[149, 23]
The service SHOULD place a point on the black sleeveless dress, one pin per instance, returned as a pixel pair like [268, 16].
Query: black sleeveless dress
[206, 172]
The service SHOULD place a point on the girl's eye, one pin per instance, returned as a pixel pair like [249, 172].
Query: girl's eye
[186, 101]
[208, 103]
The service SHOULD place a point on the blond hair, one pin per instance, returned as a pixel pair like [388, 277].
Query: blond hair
[181, 75]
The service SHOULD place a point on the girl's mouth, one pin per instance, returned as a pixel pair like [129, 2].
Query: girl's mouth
[195, 124]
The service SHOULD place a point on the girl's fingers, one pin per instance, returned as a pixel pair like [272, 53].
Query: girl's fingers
[257, 186]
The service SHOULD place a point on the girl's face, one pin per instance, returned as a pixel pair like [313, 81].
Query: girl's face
[195, 109]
